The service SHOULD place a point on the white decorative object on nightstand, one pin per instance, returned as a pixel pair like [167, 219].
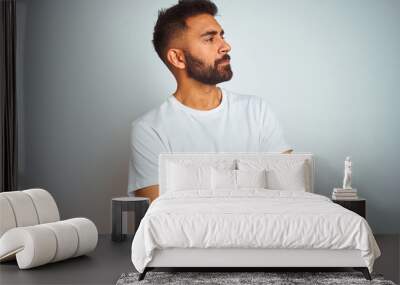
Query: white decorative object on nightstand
[347, 173]
[347, 192]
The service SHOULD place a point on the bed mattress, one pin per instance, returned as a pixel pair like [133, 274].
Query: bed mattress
[250, 219]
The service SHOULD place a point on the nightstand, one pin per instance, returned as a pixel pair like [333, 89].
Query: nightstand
[358, 206]
[123, 204]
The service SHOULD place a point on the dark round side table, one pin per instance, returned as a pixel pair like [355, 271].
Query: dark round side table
[124, 204]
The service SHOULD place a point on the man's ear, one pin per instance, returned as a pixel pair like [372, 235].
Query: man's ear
[176, 58]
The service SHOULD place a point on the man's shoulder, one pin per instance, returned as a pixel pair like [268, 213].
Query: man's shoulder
[247, 100]
[152, 117]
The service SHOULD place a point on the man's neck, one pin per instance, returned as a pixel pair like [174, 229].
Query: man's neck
[199, 96]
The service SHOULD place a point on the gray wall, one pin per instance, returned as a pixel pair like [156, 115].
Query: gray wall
[330, 70]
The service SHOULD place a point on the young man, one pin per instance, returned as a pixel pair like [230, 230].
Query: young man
[199, 116]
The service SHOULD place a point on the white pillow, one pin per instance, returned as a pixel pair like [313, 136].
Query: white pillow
[282, 174]
[223, 179]
[182, 177]
[236, 179]
[189, 174]
[251, 178]
[287, 179]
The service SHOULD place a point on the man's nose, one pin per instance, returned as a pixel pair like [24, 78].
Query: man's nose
[225, 47]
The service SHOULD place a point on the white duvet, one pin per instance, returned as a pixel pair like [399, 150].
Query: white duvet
[250, 218]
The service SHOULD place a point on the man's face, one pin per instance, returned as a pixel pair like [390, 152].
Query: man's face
[206, 55]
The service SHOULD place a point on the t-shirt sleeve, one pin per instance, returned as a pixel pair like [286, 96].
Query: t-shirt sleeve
[145, 147]
[272, 136]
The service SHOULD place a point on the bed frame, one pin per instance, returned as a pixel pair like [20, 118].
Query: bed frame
[244, 259]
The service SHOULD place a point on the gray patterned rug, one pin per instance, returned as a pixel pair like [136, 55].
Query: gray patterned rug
[230, 278]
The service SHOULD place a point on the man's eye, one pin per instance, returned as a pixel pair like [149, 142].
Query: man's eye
[210, 39]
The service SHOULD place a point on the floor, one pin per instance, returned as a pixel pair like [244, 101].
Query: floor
[110, 260]
[102, 266]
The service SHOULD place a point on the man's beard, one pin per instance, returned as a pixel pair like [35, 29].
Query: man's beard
[210, 75]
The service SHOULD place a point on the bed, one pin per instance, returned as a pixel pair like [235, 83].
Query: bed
[246, 210]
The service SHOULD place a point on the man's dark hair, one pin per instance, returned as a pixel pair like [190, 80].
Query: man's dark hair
[172, 21]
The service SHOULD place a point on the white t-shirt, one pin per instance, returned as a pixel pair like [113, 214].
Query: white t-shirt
[240, 123]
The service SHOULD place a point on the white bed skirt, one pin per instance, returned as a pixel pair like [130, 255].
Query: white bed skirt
[236, 257]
